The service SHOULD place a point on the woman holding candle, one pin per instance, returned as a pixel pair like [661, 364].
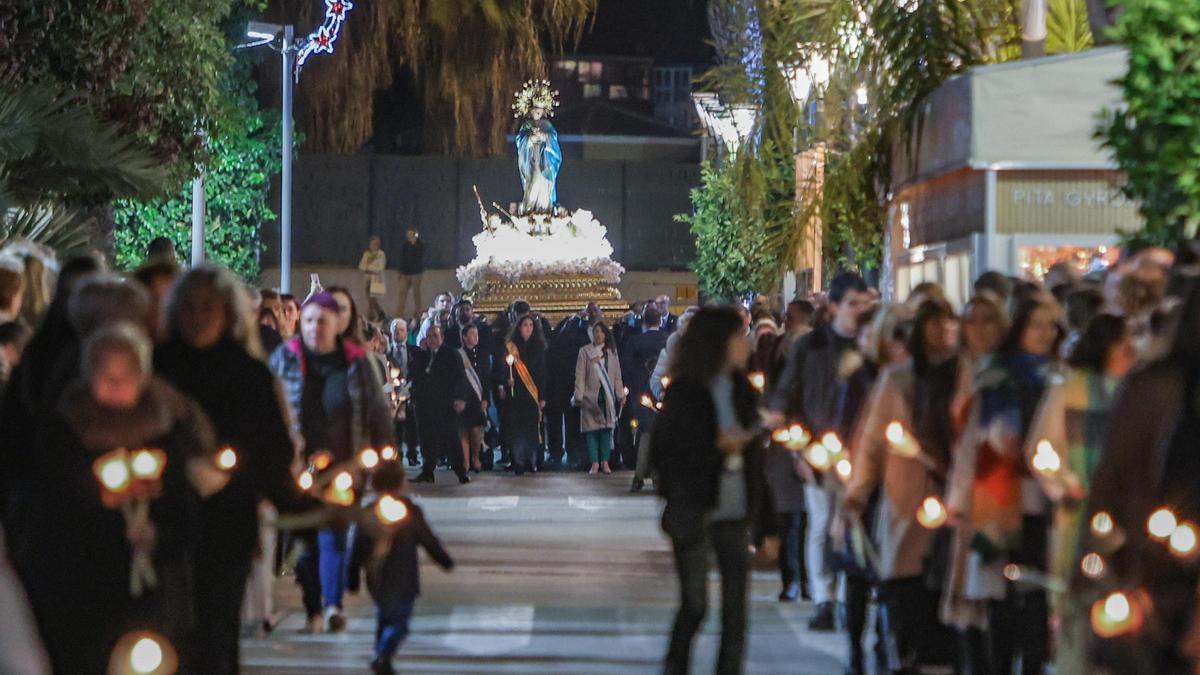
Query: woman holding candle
[93, 527]
[526, 387]
[1073, 419]
[883, 343]
[599, 395]
[918, 394]
[210, 353]
[1001, 516]
[708, 454]
[337, 407]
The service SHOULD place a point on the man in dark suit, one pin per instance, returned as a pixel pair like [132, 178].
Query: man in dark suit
[461, 315]
[439, 383]
[669, 321]
[402, 356]
[638, 357]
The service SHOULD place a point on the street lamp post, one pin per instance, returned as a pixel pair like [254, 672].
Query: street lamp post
[263, 34]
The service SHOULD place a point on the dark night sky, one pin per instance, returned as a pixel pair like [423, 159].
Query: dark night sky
[670, 31]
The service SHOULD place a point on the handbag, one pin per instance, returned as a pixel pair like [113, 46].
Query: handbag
[376, 286]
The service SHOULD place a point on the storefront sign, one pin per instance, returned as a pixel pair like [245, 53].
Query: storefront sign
[1063, 202]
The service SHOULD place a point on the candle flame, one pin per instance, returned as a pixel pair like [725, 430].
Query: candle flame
[305, 481]
[1183, 540]
[147, 464]
[818, 456]
[1161, 524]
[666, 381]
[369, 458]
[1092, 565]
[932, 513]
[343, 481]
[831, 441]
[1102, 524]
[510, 359]
[390, 510]
[843, 468]
[227, 459]
[895, 433]
[388, 453]
[1045, 459]
[758, 381]
[322, 460]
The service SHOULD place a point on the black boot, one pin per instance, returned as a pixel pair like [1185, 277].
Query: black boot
[823, 620]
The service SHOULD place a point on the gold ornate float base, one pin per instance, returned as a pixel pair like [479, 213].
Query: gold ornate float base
[555, 296]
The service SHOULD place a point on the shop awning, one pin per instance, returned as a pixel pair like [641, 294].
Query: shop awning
[1029, 114]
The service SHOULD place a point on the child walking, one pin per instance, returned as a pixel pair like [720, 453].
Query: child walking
[386, 547]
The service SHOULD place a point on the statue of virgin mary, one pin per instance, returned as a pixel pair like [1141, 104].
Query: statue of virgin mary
[538, 154]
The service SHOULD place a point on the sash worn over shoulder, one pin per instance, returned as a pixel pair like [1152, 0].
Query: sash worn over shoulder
[523, 371]
[472, 376]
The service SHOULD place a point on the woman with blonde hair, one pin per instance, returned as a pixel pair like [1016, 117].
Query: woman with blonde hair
[211, 353]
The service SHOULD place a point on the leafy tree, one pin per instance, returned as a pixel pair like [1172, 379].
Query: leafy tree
[243, 155]
[730, 253]
[1155, 138]
[469, 56]
[58, 162]
[151, 66]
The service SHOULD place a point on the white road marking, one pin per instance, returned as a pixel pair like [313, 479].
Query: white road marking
[490, 631]
[493, 503]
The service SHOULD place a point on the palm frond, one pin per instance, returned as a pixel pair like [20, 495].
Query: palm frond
[63, 229]
[1067, 28]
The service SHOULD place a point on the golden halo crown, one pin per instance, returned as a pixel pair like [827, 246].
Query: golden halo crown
[535, 94]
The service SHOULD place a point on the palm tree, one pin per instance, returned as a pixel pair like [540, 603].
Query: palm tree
[468, 56]
[58, 162]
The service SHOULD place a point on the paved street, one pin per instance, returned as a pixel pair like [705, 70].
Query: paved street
[557, 573]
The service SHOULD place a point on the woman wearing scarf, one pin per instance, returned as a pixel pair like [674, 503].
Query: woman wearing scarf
[1000, 513]
[477, 365]
[918, 393]
[1073, 419]
[599, 395]
[526, 386]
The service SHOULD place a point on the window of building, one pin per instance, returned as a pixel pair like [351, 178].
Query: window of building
[591, 91]
[591, 71]
[565, 68]
[618, 92]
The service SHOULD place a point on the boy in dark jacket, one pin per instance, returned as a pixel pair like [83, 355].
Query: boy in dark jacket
[389, 532]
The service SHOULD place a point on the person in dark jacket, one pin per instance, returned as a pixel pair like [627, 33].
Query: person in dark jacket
[85, 589]
[808, 394]
[462, 314]
[708, 454]
[386, 548]
[440, 389]
[638, 358]
[412, 270]
[209, 353]
[564, 440]
[526, 379]
[337, 407]
[477, 368]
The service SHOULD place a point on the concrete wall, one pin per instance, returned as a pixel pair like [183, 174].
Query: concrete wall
[340, 200]
[681, 286]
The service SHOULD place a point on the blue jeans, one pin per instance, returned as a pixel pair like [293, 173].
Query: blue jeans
[392, 627]
[321, 570]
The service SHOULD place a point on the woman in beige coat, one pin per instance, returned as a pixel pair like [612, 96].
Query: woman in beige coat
[599, 395]
[918, 394]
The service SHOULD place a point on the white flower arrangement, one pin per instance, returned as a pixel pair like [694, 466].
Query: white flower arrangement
[537, 246]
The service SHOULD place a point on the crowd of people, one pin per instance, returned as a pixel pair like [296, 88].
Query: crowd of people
[1011, 482]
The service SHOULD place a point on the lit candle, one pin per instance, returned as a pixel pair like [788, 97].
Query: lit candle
[305, 481]
[343, 481]
[843, 469]
[758, 381]
[510, 360]
[113, 472]
[321, 460]
[388, 453]
[799, 437]
[390, 510]
[900, 440]
[1161, 524]
[647, 401]
[666, 381]
[1115, 614]
[781, 435]
[227, 459]
[1092, 565]
[831, 441]
[143, 653]
[369, 458]
[818, 456]
[1045, 460]
[932, 513]
[1102, 524]
[1183, 540]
